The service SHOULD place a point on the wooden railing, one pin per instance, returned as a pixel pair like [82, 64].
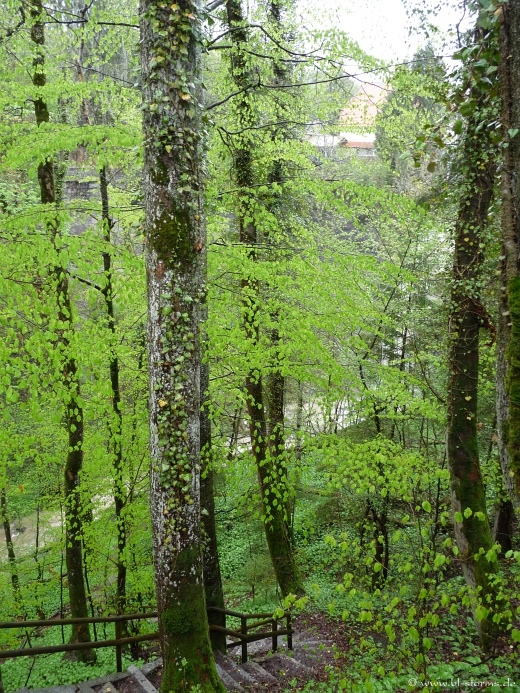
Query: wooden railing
[249, 623]
[117, 642]
[248, 633]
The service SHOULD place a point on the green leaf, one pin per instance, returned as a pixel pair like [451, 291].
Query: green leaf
[458, 127]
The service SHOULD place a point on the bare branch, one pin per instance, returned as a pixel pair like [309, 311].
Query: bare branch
[214, 5]
[230, 96]
[93, 285]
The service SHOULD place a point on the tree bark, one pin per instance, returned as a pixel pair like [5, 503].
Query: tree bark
[171, 36]
[212, 575]
[11, 557]
[69, 367]
[473, 532]
[503, 525]
[276, 381]
[116, 423]
[272, 478]
[508, 351]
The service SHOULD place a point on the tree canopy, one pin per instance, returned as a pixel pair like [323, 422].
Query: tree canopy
[258, 318]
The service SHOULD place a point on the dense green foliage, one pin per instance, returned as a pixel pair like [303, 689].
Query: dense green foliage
[344, 293]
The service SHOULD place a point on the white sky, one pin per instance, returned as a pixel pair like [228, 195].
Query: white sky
[382, 27]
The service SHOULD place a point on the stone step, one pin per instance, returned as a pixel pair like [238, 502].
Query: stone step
[279, 661]
[228, 681]
[234, 670]
[311, 645]
[141, 679]
[306, 635]
[151, 666]
[258, 672]
[51, 689]
[300, 666]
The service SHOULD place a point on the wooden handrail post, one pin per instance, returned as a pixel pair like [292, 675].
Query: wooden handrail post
[275, 635]
[119, 653]
[243, 631]
[289, 634]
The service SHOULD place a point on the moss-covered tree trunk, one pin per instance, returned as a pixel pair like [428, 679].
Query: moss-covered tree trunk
[504, 515]
[116, 422]
[276, 384]
[271, 477]
[171, 36]
[467, 316]
[69, 368]
[508, 367]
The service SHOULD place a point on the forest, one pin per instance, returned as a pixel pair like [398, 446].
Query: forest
[260, 340]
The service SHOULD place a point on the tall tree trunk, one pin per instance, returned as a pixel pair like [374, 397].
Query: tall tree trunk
[212, 575]
[276, 415]
[472, 532]
[503, 525]
[171, 36]
[272, 480]
[116, 423]
[11, 557]
[211, 563]
[69, 367]
[276, 380]
[508, 351]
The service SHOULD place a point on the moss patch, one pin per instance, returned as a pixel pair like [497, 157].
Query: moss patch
[171, 235]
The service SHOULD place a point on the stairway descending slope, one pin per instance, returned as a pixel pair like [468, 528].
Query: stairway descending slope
[133, 680]
[274, 671]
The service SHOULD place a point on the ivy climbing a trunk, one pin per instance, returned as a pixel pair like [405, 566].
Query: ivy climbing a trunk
[68, 365]
[467, 316]
[171, 36]
[508, 353]
[272, 478]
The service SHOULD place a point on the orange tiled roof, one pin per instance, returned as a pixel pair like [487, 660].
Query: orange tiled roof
[364, 106]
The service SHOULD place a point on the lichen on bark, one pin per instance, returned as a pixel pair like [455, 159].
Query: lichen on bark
[175, 240]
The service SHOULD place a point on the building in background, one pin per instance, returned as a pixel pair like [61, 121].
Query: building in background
[359, 122]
